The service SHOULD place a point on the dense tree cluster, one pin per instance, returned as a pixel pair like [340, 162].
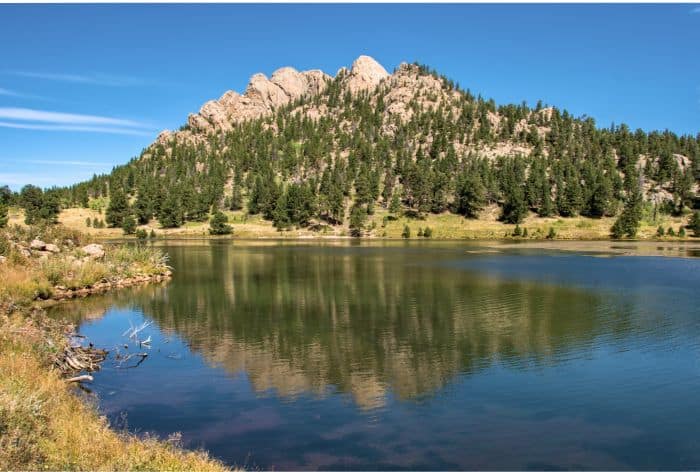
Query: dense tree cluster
[39, 206]
[6, 197]
[218, 225]
[337, 168]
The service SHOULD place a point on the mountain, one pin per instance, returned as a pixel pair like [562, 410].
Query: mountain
[308, 149]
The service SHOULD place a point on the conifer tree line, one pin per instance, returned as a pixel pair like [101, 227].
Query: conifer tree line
[338, 168]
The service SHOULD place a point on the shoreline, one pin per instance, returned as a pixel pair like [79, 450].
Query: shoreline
[684, 248]
[45, 424]
[61, 293]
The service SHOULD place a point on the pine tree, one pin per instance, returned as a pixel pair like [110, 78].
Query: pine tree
[4, 217]
[236, 202]
[629, 220]
[171, 214]
[117, 210]
[218, 224]
[143, 208]
[695, 223]
[129, 225]
[358, 217]
[31, 200]
[470, 195]
[395, 205]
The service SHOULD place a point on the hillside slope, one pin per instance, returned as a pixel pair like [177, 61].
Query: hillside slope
[304, 149]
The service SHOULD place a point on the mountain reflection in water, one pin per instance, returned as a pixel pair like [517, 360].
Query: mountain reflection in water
[403, 323]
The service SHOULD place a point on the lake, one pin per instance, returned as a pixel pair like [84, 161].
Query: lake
[420, 355]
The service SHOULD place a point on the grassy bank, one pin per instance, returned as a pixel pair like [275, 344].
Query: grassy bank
[44, 424]
[38, 263]
[383, 225]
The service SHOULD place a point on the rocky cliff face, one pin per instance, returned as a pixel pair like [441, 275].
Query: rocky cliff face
[405, 92]
[262, 96]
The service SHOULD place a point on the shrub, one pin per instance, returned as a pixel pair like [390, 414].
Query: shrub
[218, 224]
[695, 223]
[660, 231]
[129, 225]
[4, 218]
[358, 216]
[427, 233]
[406, 232]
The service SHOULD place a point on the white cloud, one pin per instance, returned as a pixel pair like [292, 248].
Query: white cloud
[94, 79]
[9, 93]
[44, 120]
[12, 93]
[68, 163]
[28, 114]
[16, 179]
[81, 128]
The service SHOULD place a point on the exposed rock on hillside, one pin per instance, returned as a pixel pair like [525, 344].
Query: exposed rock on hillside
[365, 74]
[261, 97]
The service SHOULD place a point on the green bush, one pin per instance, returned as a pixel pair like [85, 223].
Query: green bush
[218, 225]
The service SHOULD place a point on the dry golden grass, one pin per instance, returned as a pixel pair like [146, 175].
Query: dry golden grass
[444, 226]
[44, 425]
[24, 279]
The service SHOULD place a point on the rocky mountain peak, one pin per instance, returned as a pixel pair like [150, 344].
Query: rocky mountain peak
[263, 95]
[365, 74]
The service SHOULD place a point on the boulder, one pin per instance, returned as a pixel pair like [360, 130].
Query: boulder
[52, 248]
[37, 245]
[365, 74]
[94, 251]
[2, 259]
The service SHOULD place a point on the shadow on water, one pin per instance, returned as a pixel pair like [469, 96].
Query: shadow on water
[347, 356]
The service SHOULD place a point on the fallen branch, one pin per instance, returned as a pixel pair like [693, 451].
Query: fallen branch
[80, 378]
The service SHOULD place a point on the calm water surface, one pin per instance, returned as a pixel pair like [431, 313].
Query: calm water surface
[422, 356]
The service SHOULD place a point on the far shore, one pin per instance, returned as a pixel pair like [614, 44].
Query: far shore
[382, 226]
[688, 247]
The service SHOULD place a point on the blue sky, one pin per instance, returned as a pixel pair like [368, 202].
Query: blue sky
[85, 87]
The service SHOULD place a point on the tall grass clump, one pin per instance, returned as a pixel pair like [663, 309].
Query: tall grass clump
[44, 425]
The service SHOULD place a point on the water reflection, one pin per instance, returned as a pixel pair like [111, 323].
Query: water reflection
[425, 356]
[372, 321]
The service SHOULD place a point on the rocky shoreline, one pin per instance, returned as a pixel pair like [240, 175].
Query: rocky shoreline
[64, 293]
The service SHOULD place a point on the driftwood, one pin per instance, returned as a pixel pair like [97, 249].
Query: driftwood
[121, 360]
[80, 378]
[78, 358]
